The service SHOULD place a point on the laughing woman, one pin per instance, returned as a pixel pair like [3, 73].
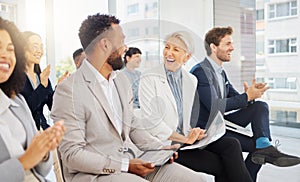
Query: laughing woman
[24, 155]
[38, 90]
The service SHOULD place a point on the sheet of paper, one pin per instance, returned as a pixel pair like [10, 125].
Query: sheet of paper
[215, 131]
[238, 129]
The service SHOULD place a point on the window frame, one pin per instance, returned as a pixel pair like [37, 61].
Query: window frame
[272, 10]
[273, 46]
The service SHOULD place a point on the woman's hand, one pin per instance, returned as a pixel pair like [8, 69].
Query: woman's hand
[41, 144]
[195, 134]
[62, 77]
[44, 76]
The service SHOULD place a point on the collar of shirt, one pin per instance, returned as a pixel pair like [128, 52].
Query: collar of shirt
[177, 74]
[5, 102]
[100, 77]
[130, 72]
[216, 67]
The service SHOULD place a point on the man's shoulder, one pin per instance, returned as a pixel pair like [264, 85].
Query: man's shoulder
[200, 67]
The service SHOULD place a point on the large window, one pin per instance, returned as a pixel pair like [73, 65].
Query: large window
[8, 11]
[133, 9]
[289, 83]
[283, 116]
[282, 46]
[260, 14]
[283, 9]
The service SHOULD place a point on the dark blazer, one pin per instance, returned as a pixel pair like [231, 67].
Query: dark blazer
[210, 95]
[36, 99]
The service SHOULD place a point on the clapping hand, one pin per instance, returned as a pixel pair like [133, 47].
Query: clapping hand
[41, 144]
[256, 90]
[45, 75]
[61, 78]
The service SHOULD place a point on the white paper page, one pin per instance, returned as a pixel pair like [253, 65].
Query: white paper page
[215, 131]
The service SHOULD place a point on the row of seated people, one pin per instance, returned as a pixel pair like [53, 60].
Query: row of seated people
[96, 105]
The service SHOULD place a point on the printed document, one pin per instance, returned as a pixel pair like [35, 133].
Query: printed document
[215, 131]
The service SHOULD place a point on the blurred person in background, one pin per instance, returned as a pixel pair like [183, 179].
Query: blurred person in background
[132, 60]
[78, 57]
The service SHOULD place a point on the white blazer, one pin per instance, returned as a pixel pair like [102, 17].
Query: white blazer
[158, 105]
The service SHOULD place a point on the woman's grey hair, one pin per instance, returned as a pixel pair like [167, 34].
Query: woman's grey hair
[186, 38]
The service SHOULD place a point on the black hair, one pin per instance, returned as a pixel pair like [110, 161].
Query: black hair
[77, 53]
[131, 51]
[94, 26]
[16, 81]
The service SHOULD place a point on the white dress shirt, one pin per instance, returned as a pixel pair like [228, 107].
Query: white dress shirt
[112, 96]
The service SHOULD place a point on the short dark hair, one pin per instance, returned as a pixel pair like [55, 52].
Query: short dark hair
[131, 51]
[27, 35]
[94, 26]
[77, 53]
[16, 81]
[214, 36]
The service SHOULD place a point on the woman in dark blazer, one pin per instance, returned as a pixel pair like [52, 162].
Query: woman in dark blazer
[38, 90]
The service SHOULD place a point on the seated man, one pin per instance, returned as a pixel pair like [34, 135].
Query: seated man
[96, 104]
[215, 90]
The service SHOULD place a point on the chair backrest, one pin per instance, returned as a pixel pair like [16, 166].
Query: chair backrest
[58, 168]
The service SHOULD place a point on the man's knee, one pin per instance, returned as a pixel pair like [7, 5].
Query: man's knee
[261, 106]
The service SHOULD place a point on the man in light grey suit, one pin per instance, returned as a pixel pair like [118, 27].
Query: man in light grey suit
[96, 104]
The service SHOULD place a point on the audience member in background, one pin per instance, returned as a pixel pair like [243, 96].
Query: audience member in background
[38, 90]
[78, 57]
[132, 60]
[215, 89]
[24, 153]
[167, 95]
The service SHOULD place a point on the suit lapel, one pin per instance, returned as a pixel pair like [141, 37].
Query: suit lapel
[21, 113]
[188, 93]
[125, 102]
[214, 78]
[165, 87]
[95, 88]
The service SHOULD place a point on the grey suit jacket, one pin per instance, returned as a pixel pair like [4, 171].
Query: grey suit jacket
[92, 146]
[10, 167]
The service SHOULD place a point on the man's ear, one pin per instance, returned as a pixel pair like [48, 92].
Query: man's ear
[105, 44]
[212, 47]
[127, 58]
